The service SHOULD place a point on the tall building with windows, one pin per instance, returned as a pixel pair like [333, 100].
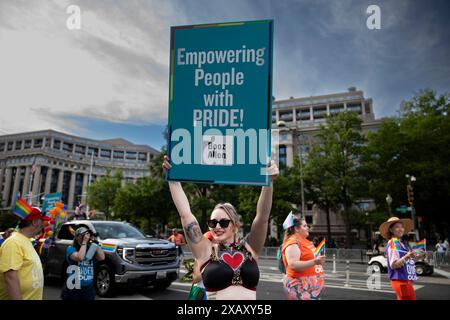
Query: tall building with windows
[298, 121]
[37, 163]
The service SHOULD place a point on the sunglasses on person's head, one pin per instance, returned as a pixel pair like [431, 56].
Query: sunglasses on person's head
[224, 223]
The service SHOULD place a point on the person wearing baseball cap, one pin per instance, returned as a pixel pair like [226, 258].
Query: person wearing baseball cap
[21, 275]
[400, 257]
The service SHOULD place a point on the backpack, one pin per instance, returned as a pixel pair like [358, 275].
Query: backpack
[280, 263]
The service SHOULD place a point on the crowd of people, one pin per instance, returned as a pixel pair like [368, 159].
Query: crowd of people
[226, 266]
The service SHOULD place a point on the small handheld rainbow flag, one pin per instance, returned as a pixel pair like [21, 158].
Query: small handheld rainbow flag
[421, 245]
[21, 208]
[108, 247]
[319, 248]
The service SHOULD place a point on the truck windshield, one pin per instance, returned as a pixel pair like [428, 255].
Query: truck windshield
[117, 231]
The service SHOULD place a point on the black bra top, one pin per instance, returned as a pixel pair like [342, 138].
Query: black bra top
[230, 266]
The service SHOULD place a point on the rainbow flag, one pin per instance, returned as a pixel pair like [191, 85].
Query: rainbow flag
[319, 248]
[395, 244]
[422, 244]
[108, 247]
[71, 230]
[21, 208]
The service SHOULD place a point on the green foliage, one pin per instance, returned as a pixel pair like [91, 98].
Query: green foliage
[416, 143]
[332, 171]
[102, 193]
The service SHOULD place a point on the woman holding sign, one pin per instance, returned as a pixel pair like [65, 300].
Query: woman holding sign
[304, 279]
[400, 257]
[228, 265]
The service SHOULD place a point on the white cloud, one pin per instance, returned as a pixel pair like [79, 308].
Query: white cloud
[114, 68]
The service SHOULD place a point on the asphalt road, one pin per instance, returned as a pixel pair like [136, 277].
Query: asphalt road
[270, 286]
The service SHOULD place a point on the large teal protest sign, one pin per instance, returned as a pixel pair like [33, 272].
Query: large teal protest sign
[220, 102]
[50, 200]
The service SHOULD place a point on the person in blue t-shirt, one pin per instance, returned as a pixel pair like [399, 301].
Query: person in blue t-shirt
[81, 266]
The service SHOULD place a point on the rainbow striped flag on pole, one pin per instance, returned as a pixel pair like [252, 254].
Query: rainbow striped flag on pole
[421, 245]
[320, 248]
[21, 208]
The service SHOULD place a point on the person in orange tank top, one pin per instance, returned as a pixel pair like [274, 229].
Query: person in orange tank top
[304, 279]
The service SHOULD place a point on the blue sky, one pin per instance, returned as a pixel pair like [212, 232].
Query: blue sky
[110, 78]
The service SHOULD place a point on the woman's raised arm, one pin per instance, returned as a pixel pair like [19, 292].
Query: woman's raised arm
[258, 231]
[200, 246]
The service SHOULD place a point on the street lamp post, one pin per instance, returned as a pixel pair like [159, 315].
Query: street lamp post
[410, 194]
[389, 201]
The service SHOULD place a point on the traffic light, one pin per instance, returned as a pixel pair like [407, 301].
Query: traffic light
[410, 193]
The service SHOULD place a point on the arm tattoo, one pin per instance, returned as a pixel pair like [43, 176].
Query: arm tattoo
[193, 232]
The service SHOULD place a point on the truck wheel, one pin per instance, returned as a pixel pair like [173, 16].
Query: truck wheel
[420, 270]
[162, 285]
[104, 281]
[377, 267]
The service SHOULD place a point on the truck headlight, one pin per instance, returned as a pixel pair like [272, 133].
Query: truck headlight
[127, 254]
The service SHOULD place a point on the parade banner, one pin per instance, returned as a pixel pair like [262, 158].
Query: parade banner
[50, 201]
[220, 102]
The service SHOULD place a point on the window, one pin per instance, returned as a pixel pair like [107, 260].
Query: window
[286, 116]
[367, 107]
[57, 144]
[2, 147]
[27, 144]
[118, 154]
[18, 145]
[142, 156]
[303, 114]
[67, 146]
[80, 149]
[37, 143]
[117, 231]
[355, 107]
[319, 112]
[93, 150]
[336, 108]
[105, 154]
[10, 146]
[131, 155]
[283, 155]
[309, 220]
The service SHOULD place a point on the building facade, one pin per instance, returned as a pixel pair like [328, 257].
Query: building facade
[42, 162]
[298, 120]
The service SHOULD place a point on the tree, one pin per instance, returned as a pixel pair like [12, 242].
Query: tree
[335, 160]
[148, 201]
[415, 142]
[102, 192]
[321, 186]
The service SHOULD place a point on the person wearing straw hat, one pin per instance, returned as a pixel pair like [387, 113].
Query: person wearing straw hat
[304, 279]
[400, 257]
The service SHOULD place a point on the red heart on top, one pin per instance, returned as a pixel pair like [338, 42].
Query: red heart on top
[234, 261]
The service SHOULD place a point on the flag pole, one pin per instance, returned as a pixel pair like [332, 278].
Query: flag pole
[89, 180]
[30, 188]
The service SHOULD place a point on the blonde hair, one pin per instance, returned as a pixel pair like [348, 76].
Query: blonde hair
[231, 212]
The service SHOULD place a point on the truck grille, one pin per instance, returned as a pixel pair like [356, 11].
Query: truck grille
[155, 256]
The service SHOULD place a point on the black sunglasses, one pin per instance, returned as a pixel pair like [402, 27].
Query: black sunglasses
[224, 223]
